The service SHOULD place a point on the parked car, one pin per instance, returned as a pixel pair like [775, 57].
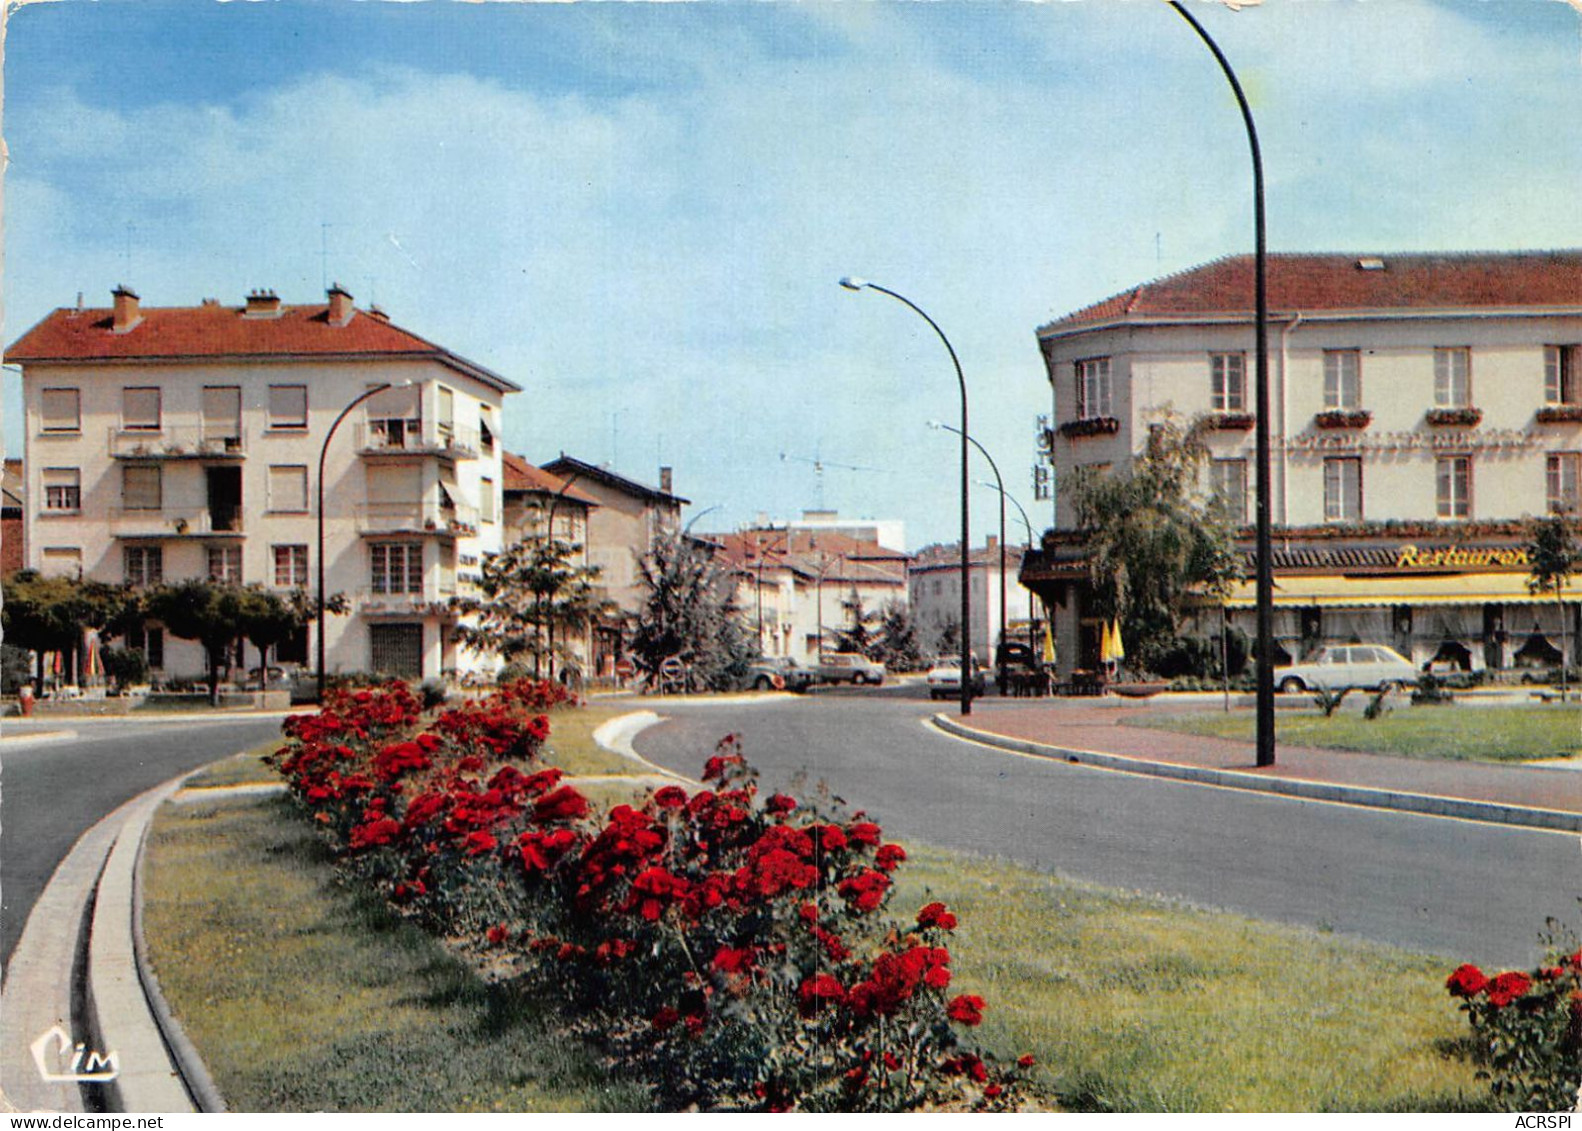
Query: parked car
[780, 673]
[1348, 665]
[944, 679]
[849, 667]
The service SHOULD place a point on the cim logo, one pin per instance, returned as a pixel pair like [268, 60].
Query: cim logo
[71, 1063]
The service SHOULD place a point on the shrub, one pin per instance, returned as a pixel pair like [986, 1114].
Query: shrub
[125, 666]
[1329, 701]
[1527, 1030]
[733, 949]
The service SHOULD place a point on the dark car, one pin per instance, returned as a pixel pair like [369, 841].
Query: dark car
[780, 673]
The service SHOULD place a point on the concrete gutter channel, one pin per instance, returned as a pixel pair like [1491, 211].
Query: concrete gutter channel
[1427, 804]
[81, 968]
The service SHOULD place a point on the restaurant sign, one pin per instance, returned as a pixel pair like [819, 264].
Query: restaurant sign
[1461, 557]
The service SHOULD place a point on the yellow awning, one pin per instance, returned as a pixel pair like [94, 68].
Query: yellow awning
[1440, 589]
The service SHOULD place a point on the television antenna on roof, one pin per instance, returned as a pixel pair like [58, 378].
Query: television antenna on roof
[819, 463]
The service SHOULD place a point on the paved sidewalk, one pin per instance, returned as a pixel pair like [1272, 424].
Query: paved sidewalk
[1109, 726]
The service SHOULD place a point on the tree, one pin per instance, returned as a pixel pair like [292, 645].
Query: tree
[210, 612]
[50, 614]
[858, 636]
[269, 620]
[689, 612]
[1552, 558]
[534, 599]
[1153, 542]
[899, 647]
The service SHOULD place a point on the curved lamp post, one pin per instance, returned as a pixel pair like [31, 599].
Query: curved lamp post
[853, 284]
[999, 485]
[1263, 553]
[323, 452]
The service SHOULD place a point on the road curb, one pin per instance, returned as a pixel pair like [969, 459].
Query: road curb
[1427, 804]
[617, 735]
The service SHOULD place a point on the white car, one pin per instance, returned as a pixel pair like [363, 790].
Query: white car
[944, 680]
[1348, 665]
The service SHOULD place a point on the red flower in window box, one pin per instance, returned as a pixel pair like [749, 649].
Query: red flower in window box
[1090, 426]
[1233, 421]
[1343, 418]
[1460, 417]
[1560, 414]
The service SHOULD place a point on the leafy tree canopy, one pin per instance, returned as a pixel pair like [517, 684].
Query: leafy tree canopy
[533, 600]
[689, 612]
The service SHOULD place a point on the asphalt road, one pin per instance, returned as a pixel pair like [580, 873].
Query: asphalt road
[53, 791]
[1458, 889]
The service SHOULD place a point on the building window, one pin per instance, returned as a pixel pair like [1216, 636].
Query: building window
[62, 489]
[1565, 482]
[1229, 483]
[61, 410]
[1453, 378]
[1342, 379]
[1343, 489]
[1560, 375]
[225, 564]
[1228, 382]
[222, 414]
[288, 406]
[486, 500]
[486, 430]
[140, 410]
[62, 561]
[1094, 393]
[445, 416]
[141, 488]
[143, 565]
[396, 567]
[288, 489]
[291, 566]
[150, 642]
[1453, 486]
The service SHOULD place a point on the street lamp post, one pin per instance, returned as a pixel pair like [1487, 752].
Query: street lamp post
[1263, 552]
[323, 452]
[999, 485]
[762, 556]
[852, 284]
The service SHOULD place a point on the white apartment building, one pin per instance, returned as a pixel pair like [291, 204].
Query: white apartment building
[1422, 407]
[167, 443]
[935, 579]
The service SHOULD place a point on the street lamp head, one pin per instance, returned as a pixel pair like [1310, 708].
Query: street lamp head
[852, 283]
[936, 425]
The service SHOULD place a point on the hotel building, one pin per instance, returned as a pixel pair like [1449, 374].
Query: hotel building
[1424, 407]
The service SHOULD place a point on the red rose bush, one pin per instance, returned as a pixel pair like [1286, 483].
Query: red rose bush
[1527, 1030]
[733, 950]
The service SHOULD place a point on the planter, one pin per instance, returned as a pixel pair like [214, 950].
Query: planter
[1455, 417]
[1343, 418]
[1233, 421]
[1560, 414]
[1090, 426]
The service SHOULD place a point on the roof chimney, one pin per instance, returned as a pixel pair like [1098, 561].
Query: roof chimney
[667, 477]
[378, 314]
[126, 312]
[341, 308]
[262, 304]
[994, 542]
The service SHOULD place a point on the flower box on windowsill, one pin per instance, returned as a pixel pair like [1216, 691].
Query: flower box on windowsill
[1560, 414]
[1343, 418]
[1233, 421]
[1090, 426]
[1455, 417]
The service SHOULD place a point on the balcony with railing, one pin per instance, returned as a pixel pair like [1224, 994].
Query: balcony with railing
[203, 443]
[432, 600]
[175, 522]
[411, 435]
[444, 520]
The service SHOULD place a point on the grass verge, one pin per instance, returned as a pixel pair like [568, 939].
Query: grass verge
[1481, 734]
[303, 994]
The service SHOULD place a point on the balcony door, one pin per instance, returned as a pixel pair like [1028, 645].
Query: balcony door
[225, 498]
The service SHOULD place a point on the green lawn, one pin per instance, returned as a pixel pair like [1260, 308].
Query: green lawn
[303, 994]
[1455, 731]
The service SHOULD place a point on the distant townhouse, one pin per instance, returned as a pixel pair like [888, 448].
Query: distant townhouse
[935, 580]
[164, 443]
[12, 529]
[1422, 407]
[626, 520]
[794, 586]
[539, 505]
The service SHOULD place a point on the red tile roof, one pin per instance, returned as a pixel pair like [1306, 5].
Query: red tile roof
[175, 333]
[1311, 283]
[519, 475]
[838, 557]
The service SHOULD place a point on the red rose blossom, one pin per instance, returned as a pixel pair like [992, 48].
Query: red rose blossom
[936, 915]
[967, 1009]
[1507, 987]
[1467, 981]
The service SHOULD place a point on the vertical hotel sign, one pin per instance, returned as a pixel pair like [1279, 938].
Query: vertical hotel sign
[1462, 557]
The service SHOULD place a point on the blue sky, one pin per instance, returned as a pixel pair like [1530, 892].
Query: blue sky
[639, 212]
